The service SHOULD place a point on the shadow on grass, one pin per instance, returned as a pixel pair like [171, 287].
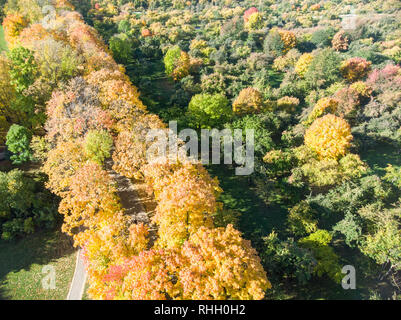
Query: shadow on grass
[42, 248]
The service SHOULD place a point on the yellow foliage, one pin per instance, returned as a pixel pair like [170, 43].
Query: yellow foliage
[330, 137]
[303, 63]
[249, 101]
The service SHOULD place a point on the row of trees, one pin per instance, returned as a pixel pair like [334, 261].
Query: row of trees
[87, 114]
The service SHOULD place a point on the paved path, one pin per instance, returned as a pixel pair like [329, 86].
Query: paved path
[79, 279]
[133, 207]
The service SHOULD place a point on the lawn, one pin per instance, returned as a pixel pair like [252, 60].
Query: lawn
[22, 264]
[3, 45]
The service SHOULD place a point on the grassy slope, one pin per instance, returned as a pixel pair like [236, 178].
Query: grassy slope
[22, 262]
[3, 45]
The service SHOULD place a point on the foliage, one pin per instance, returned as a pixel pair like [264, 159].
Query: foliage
[301, 219]
[355, 69]
[209, 111]
[23, 208]
[327, 259]
[248, 101]
[18, 141]
[98, 145]
[329, 137]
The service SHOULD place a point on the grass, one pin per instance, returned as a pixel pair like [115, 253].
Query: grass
[22, 262]
[3, 45]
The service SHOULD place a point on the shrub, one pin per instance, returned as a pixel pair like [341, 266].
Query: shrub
[301, 220]
[330, 137]
[98, 144]
[18, 141]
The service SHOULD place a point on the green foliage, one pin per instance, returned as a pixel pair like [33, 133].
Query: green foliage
[170, 59]
[209, 110]
[23, 68]
[18, 141]
[273, 44]
[98, 145]
[302, 219]
[322, 37]
[324, 69]
[327, 259]
[121, 46]
[264, 126]
[287, 259]
[23, 209]
[351, 228]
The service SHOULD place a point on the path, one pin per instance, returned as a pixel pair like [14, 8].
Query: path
[133, 207]
[78, 280]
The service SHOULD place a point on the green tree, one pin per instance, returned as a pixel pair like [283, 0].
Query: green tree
[18, 141]
[121, 46]
[23, 68]
[98, 145]
[209, 110]
[324, 69]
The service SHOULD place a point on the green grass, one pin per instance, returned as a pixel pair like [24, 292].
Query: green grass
[3, 45]
[22, 262]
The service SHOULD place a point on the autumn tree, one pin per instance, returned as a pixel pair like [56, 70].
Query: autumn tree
[329, 136]
[249, 100]
[98, 145]
[219, 264]
[355, 69]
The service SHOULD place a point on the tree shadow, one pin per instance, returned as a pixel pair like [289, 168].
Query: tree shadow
[42, 247]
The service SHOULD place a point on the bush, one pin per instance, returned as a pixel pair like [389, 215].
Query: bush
[301, 219]
[18, 141]
[98, 145]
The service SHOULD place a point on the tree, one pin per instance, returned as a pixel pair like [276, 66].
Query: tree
[324, 69]
[248, 101]
[355, 69]
[98, 145]
[219, 264]
[327, 259]
[209, 110]
[177, 63]
[23, 68]
[121, 46]
[18, 141]
[340, 41]
[330, 137]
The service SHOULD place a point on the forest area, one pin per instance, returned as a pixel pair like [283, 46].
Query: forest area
[318, 82]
